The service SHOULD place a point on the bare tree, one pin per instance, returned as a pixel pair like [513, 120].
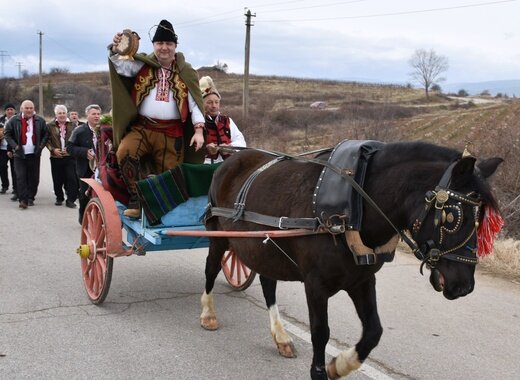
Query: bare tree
[427, 67]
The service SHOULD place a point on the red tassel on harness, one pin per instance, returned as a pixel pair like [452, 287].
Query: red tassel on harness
[488, 230]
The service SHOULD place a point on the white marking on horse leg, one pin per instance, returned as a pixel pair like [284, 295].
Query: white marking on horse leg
[366, 369]
[208, 318]
[343, 364]
[282, 340]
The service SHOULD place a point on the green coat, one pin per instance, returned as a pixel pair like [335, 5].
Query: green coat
[124, 111]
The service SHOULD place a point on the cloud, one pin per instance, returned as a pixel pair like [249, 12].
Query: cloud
[308, 38]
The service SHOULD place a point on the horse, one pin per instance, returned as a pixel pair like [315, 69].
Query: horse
[435, 194]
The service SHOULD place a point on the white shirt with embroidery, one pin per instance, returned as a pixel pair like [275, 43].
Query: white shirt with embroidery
[150, 106]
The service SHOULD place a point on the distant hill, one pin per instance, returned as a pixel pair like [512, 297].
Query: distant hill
[505, 87]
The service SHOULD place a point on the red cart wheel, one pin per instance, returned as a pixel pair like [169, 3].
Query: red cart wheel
[237, 274]
[96, 265]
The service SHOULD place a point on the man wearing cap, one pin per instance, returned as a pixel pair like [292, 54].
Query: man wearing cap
[221, 129]
[5, 155]
[156, 103]
[27, 134]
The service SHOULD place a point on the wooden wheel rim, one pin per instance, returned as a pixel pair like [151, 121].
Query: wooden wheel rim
[97, 267]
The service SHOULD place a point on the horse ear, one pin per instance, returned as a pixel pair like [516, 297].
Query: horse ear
[489, 166]
[462, 171]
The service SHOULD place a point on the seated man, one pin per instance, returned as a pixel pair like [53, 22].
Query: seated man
[221, 129]
[158, 96]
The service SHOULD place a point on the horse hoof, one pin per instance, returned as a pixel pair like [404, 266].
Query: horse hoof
[209, 323]
[343, 364]
[332, 371]
[287, 350]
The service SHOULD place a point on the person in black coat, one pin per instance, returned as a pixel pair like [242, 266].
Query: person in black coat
[82, 146]
[27, 134]
[6, 156]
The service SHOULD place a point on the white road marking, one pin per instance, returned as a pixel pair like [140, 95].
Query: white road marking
[367, 370]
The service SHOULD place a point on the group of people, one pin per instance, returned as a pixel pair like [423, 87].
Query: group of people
[24, 136]
[160, 109]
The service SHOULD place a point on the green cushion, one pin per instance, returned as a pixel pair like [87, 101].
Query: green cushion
[198, 177]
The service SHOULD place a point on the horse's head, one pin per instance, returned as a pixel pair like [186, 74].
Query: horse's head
[447, 229]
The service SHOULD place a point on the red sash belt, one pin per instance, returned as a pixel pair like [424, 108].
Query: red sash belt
[171, 128]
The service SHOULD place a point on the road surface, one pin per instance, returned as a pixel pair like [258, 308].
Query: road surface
[148, 327]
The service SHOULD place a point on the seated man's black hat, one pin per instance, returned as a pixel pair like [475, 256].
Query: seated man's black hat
[165, 32]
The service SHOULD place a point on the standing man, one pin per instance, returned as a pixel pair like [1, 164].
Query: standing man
[156, 109]
[82, 146]
[27, 134]
[74, 119]
[63, 167]
[222, 130]
[6, 157]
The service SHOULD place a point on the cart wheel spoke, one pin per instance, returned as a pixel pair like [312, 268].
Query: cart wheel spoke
[98, 277]
[102, 264]
[100, 241]
[233, 266]
[90, 278]
[237, 274]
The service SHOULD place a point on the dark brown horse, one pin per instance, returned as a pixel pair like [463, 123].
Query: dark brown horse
[399, 179]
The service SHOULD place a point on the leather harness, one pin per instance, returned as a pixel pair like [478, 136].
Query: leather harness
[349, 159]
[359, 153]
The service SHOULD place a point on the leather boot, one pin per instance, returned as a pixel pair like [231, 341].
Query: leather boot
[130, 173]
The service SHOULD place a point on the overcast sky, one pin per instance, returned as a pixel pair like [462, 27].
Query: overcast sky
[363, 40]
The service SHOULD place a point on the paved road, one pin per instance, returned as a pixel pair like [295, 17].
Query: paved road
[148, 326]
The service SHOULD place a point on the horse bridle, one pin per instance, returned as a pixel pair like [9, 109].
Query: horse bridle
[438, 201]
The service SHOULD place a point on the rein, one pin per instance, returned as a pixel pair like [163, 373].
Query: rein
[429, 253]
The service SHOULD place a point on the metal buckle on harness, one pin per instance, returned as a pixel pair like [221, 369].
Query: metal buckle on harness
[435, 255]
[280, 223]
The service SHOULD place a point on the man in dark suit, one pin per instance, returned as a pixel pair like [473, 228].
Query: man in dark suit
[63, 166]
[27, 134]
[82, 145]
[6, 158]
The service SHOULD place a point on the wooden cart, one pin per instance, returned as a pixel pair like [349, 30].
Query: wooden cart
[102, 241]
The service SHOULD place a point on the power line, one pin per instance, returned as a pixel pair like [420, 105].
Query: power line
[277, 3]
[201, 20]
[394, 13]
[316, 6]
[66, 48]
[206, 20]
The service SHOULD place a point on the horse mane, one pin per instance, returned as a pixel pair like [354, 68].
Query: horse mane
[421, 151]
[394, 153]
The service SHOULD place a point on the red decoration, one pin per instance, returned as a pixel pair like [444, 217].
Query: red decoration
[488, 230]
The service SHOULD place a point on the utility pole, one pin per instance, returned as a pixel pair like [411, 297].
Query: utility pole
[3, 54]
[19, 64]
[40, 93]
[245, 98]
